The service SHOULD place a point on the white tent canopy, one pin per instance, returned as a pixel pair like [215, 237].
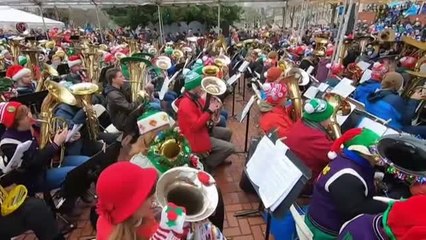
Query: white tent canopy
[10, 16]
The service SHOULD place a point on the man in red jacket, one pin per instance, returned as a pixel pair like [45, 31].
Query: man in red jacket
[214, 146]
[308, 138]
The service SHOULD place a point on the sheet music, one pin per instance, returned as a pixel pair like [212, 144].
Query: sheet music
[374, 126]
[73, 131]
[271, 170]
[311, 92]
[166, 84]
[341, 119]
[247, 108]
[243, 66]
[343, 88]
[363, 65]
[16, 160]
[310, 69]
[323, 86]
[365, 76]
[233, 79]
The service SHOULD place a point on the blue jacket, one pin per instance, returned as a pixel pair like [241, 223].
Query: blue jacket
[72, 115]
[387, 104]
[365, 89]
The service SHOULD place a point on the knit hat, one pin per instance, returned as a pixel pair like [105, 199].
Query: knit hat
[356, 139]
[109, 58]
[392, 80]
[15, 72]
[122, 188]
[198, 64]
[152, 119]
[8, 112]
[275, 92]
[329, 51]
[192, 80]
[317, 110]
[408, 62]
[198, 70]
[168, 50]
[336, 68]
[378, 70]
[273, 74]
[405, 220]
[74, 60]
[22, 60]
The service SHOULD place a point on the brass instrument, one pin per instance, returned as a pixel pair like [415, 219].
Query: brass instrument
[33, 62]
[387, 35]
[12, 200]
[84, 93]
[163, 63]
[418, 80]
[320, 46]
[177, 55]
[2, 63]
[296, 77]
[341, 107]
[15, 47]
[91, 59]
[48, 74]
[49, 124]
[210, 70]
[137, 73]
[133, 46]
[181, 186]
[214, 87]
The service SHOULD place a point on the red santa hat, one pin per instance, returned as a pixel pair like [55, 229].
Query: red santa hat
[408, 62]
[15, 72]
[379, 70]
[356, 139]
[73, 60]
[335, 68]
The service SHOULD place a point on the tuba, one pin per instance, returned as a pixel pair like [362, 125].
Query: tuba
[15, 47]
[181, 186]
[137, 68]
[320, 46]
[84, 93]
[296, 77]
[214, 87]
[91, 62]
[49, 124]
[418, 79]
[341, 107]
[133, 46]
[210, 71]
[387, 35]
[12, 200]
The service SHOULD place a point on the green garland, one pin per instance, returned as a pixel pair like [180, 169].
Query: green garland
[161, 162]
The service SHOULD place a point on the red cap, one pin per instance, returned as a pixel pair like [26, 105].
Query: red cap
[122, 188]
[273, 74]
[8, 112]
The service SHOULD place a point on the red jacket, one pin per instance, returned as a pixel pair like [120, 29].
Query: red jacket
[192, 122]
[277, 118]
[310, 145]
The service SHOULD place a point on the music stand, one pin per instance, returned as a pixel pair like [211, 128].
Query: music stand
[245, 114]
[32, 100]
[284, 206]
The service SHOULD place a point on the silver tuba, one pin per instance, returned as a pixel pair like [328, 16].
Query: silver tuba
[180, 185]
[214, 87]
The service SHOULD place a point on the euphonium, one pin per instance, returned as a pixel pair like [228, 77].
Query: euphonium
[210, 70]
[296, 77]
[84, 93]
[214, 87]
[320, 46]
[56, 94]
[177, 55]
[137, 75]
[15, 48]
[341, 107]
[12, 200]
[91, 62]
[181, 186]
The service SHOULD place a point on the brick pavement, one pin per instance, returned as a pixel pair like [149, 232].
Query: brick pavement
[228, 177]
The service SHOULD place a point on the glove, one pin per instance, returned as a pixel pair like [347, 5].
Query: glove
[171, 223]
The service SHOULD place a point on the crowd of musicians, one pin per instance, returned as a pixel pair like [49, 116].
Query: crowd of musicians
[68, 98]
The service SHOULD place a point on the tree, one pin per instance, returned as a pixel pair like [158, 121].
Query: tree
[142, 15]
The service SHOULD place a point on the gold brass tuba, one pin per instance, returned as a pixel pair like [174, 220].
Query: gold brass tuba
[418, 78]
[12, 200]
[214, 87]
[133, 46]
[320, 46]
[137, 68]
[387, 35]
[84, 93]
[91, 62]
[15, 48]
[49, 124]
[296, 77]
[341, 107]
[180, 185]
[210, 71]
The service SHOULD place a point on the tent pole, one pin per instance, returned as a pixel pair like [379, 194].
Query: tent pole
[42, 18]
[99, 21]
[218, 17]
[160, 24]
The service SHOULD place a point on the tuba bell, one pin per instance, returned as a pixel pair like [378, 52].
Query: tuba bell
[137, 75]
[84, 93]
[320, 46]
[12, 200]
[181, 186]
[296, 77]
[387, 35]
[210, 70]
[214, 87]
[341, 107]
[163, 63]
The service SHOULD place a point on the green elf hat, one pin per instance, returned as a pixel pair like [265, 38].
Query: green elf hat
[198, 64]
[22, 60]
[168, 51]
[199, 70]
[152, 119]
[192, 80]
[317, 110]
[356, 139]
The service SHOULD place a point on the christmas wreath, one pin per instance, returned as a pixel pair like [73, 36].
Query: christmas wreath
[168, 150]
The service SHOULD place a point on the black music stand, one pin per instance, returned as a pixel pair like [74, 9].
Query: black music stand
[32, 100]
[288, 200]
[245, 114]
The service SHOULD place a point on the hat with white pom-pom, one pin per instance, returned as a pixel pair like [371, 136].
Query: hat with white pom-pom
[317, 110]
[357, 139]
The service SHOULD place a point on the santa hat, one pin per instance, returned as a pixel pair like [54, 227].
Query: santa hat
[408, 62]
[8, 111]
[275, 92]
[152, 119]
[74, 60]
[335, 68]
[15, 72]
[356, 139]
[404, 220]
[378, 70]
